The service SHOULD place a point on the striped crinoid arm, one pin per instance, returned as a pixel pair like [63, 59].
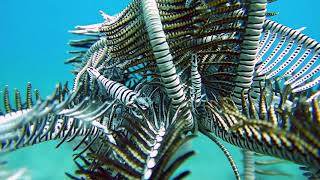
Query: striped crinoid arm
[145, 147]
[20, 106]
[28, 103]
[16, 123]
[95, 51]
[289, 54]
[128, 43]
[56, 117]
[163, 56]
[121, 43]
[119, 91]
[82, 56]
[284, 127]
[163, 34]
[224, 34]
[217, 26]
[96, 54]
[240, 25]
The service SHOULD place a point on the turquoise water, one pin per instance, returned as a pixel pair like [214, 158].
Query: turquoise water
[33, 48]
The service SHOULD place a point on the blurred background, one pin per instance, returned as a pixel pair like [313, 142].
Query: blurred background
[33, 48]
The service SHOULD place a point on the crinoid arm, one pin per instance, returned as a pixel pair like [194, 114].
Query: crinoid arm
[60, 116]
[289, 130]
[145, 147]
